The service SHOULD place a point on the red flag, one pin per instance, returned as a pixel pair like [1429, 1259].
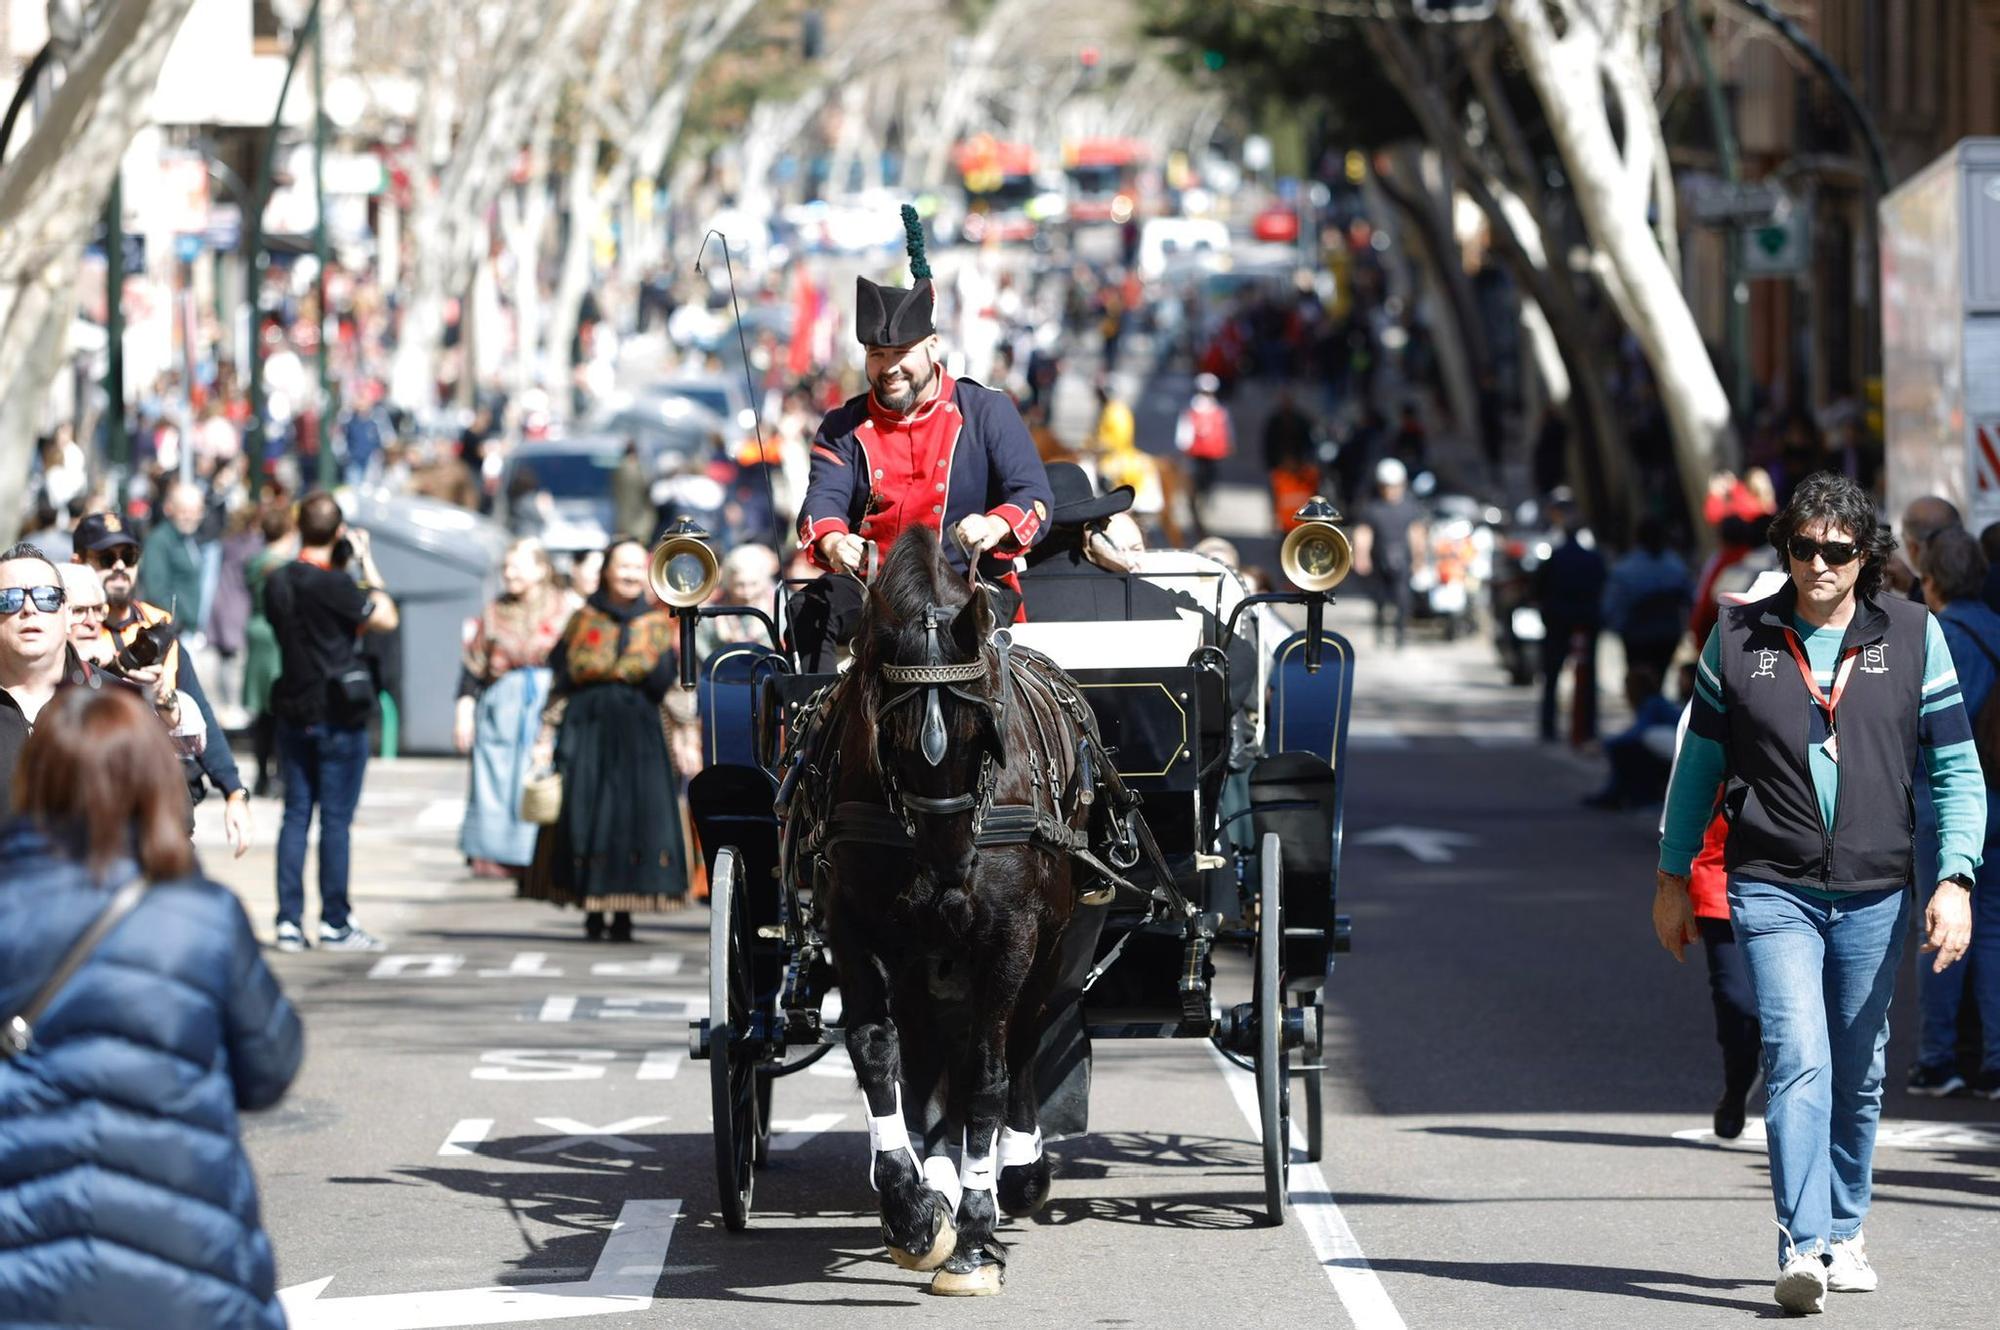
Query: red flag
[805, 315]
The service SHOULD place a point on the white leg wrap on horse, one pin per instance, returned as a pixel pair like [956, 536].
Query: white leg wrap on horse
[1019, 1147]
[943, 1180]
[975, 1171]
[889, 1133]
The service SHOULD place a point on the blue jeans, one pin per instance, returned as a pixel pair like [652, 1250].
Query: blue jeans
[1824, 971]
[1939, 995]
[321, 764]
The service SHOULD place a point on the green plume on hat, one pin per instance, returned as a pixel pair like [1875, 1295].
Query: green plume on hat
[913, 240]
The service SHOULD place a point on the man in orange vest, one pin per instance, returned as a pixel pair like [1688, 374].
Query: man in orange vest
[106, 543]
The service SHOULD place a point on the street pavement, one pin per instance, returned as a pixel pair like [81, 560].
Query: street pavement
[1518, 1089]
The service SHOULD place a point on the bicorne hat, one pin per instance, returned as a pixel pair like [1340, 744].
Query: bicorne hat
[892, 315]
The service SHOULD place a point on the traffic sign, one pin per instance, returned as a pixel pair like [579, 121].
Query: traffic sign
[1782, 248]
[1719, 203]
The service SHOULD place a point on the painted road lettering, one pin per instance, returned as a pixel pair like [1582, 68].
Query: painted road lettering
[628, 1270]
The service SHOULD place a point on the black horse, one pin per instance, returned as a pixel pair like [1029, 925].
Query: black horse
[959, 797]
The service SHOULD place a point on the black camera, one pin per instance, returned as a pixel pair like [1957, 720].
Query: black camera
[147, 648]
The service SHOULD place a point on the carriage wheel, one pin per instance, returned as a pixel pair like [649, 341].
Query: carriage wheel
[1314, 1126]
[765, 1080]
[732, 1068]
[1274, 1090]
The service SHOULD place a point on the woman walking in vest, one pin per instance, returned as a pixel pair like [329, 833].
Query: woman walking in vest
[1812, 709]
[501, 690]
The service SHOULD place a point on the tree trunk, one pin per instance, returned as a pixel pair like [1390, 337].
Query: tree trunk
[1464, 354]
[50, 191]
[1612, 191]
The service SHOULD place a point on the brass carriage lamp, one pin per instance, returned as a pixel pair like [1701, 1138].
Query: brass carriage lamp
[684, 572]
[1317, 558]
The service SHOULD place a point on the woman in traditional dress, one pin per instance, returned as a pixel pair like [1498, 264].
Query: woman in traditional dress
[616, 848]
[500, 695]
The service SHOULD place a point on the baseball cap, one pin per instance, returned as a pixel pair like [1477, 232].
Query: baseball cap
[103, 531]
[1389, 471]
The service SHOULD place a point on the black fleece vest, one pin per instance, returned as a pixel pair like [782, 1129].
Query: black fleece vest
[1776, 833]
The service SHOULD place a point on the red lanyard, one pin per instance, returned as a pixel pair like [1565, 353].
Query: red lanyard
[1840, 677]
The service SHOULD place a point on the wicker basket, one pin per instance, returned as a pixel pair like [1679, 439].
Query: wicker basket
[541, 799]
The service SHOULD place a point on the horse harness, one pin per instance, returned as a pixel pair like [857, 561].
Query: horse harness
[1028, 680]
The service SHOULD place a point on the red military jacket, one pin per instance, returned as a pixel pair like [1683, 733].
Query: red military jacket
[965, 451]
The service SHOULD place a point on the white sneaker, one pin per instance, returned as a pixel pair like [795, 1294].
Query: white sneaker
[1850, 1271]
[291, 938]
[1802, 1284]
[351, 938]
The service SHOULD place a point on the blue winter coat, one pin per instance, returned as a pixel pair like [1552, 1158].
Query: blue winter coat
[125, 1196]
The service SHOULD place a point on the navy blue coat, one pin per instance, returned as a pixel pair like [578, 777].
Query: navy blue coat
[125, 1195]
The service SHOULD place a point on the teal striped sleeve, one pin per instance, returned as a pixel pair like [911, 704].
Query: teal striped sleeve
[1700, 767]
[1951, 760]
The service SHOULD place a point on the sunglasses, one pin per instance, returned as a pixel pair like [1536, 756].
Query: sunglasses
[105, 560]
[1836, 552]
[45, 599]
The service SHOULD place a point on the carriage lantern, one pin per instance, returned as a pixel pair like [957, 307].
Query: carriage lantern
[684, 572]
[1317, 558]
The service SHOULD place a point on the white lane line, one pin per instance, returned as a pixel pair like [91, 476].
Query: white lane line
[466, 1133]
[557, 1009]
[790, 1134]
[661, 1065]
[1354, 1281]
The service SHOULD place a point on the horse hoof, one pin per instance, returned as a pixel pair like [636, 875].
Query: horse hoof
[940, 1250]
[1023, 1189]
[978, 1280]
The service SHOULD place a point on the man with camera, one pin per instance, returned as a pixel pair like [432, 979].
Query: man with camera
[146, 650]
[319, 606]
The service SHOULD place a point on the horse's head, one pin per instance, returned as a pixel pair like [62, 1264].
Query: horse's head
[928, 670]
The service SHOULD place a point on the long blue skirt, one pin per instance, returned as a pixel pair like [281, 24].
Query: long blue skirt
[508, 719]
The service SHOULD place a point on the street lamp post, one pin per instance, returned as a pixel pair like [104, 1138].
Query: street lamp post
[119, 443]
[326, 395]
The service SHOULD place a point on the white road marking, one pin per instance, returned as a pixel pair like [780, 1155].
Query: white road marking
[834, 1065]
[441, 815]
[661, 1065]
[628, 1270]
[791, 1133]
[417, 966]
[543, 1064]
[1889, 1136]
[557, 1009]
[468, 1132]
[526, 965]
[1427, 845]
[661, 966]
[582, 1133]
[1354, 1282]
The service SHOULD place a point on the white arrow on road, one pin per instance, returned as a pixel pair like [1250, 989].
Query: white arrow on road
[1427, 845]
[627, 1271]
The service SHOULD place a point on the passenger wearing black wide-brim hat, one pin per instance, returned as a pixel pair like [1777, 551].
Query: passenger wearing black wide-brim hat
[920, 448]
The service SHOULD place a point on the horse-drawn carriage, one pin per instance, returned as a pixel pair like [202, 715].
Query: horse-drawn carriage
[1187, 808]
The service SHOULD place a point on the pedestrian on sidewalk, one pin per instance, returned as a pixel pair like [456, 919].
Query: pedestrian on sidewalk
[320, 605]
[1812, 708]
[1205, 435]
[261, 658]
[1954, 578]
[128, 1199]
[1390, 544]
[616, 847]
[503, 683]
[1569, 590]
[1647, 598]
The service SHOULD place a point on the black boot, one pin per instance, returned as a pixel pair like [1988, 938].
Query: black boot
[621, 928]
[593, 925]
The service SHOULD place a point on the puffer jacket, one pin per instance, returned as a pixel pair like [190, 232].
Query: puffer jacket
[125, 1195]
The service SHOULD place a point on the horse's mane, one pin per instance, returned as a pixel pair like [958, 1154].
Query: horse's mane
[912, 579]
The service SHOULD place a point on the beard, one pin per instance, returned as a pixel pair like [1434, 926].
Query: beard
[908, 391]
[118, 591]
